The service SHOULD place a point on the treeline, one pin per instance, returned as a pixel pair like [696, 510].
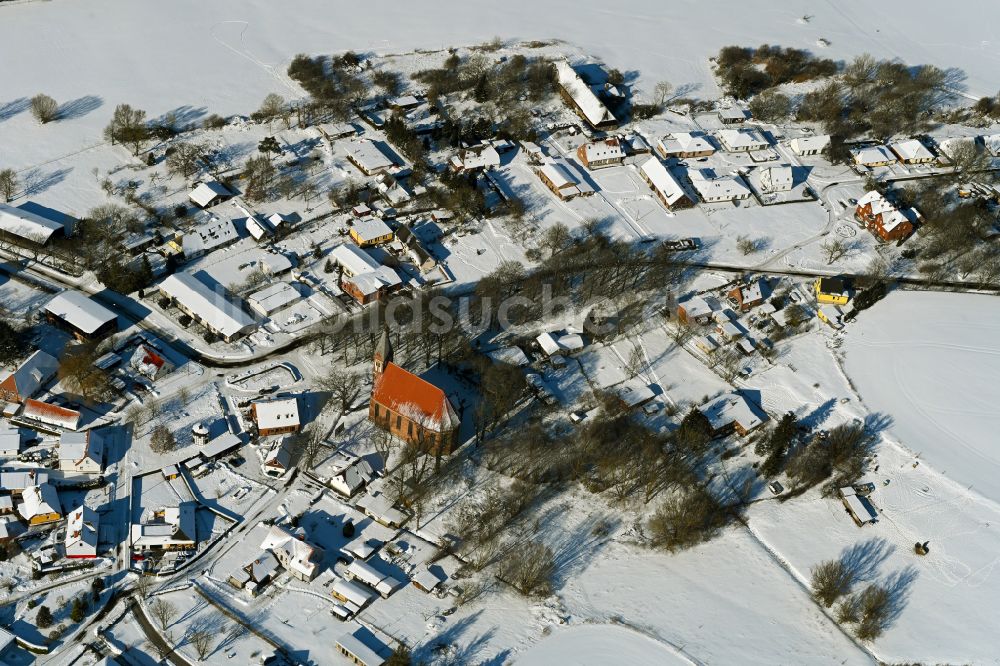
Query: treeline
[746, 71]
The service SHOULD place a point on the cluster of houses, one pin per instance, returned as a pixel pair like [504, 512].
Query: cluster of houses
[910, 151]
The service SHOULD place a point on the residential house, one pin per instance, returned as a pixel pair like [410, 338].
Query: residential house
[369, 157]
[684, 145]
[297, 556]
[873, 156]
[351, 476]
[475, 158]
[370, 231]
[732, 412]
[211, 235]
[10, 440]
[209, 193]
[81, 452]
[361, 571]
[810, 145]
[664, 185]
[858, 508]
[256, 573]
[952, 146]
[363, 648]
[883, 219]
[40, 505]
[81, 533]
[355, 595]
[776, 178]
[911, 152]
[16, 481]
[150, 363]
[713, 188]
[278, 460]
[745, 297]
[602, 153]
[409, 407]
[379, 507]
[831, 290]
[733, 115]
[579, 96]
[695, 309]
[167, 528]
[83, 317]
[560, 179]
[29, 378]
[362, 277]
[742, 140]
[276, 417]
[426, 579]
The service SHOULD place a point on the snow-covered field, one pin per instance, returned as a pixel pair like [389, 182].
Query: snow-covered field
[931, 361]
[599, 644]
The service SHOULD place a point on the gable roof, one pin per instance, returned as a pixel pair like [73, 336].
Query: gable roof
[81, 532]
[27, 225]
[31, 375]
[404, 393]
[592, 108]
[205, 192]
[210, 306]
[663, 181]
[39, 500]
[81, 312]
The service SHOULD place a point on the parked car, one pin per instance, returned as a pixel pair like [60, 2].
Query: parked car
[775, 488]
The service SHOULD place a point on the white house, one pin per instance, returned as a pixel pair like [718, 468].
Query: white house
[351, 476]
[81, 533]
[300, 558]
[81, 452]
[209, 236]
[742, 140]
[150, 363]
[209, 193]
[380, 507]
[685, 144]
[362, 571]
[911, 151]
[168, 528]
[810, 145]
[272, 298]
[873, 156]
[369, 157]
[712, 188]
[776, 178]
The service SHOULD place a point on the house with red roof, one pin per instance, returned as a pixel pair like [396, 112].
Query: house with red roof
[150, 363]
[411, 408]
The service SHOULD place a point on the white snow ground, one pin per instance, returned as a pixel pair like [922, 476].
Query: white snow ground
[931, 361]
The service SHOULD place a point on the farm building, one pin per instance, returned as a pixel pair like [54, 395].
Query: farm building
[54, 416]
[582, 99]
[85, 318]
[858, 508]
[363, 648]
[25, 225]
[211, 309]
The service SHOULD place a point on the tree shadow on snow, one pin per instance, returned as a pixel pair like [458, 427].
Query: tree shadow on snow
[864, 558]
[37, 181]
[77, 108]
[10, 109]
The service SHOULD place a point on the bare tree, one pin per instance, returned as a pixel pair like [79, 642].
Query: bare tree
[162, 440]
[834, 249]
[344, 386]
[44, 108]
[747, 245]
[529, 568]
[636, 361]
[830, 580]
[661, 92]
[78, 372]
[8, 184]
[163, 611]
[556, 238]
[184, 158]
[128, 126]
[202, 642]
[143, 585]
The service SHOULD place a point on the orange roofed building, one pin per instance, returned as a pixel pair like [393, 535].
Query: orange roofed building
[411, 408]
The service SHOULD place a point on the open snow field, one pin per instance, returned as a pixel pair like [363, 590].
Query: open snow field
[599, 644]
[931, 360]
[195, 58]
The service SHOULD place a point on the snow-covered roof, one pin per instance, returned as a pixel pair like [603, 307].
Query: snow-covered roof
[686, 142]
[221, 444]
[10, 440]
[426, 579]
[742, 139]
[364, 647]
[276, 413]
[172, 525]
[404, 101]
[370, 228]
[212, 307]
[663, 181]
[859, 509]
[732, 408]
[605, 149]
[890, 216]
[696, 306]
[634, 393]
[778, 177]
[480, 157]
[31, 375]
[548, 344]
[299, 554]
[51, 414]
[353, 259]
[79, 311]
[559, 174]
[206, 237]
[204, 193]
[355, 593]
[380, 507]
[872, 155]
[81, 532]
[78, 448]
[369, 156]
[805, 144]
[279, 457]
[274, 297]
[911, 150]
[733, 113]
[17, 480]
[712, 187]
[592, 108]
[39, 500]
[353, 476]
[27, 225]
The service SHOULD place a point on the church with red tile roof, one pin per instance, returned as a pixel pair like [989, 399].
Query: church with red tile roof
[411, 408]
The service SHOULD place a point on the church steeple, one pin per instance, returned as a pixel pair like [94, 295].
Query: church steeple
[383, 354]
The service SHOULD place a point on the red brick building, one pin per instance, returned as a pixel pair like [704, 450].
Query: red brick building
[883, 219]
[411, 408]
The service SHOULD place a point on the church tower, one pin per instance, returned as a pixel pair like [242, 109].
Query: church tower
[383, 354]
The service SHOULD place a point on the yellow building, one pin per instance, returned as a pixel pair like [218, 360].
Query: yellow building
[371, 231]
[40, 505]
[832, 291]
